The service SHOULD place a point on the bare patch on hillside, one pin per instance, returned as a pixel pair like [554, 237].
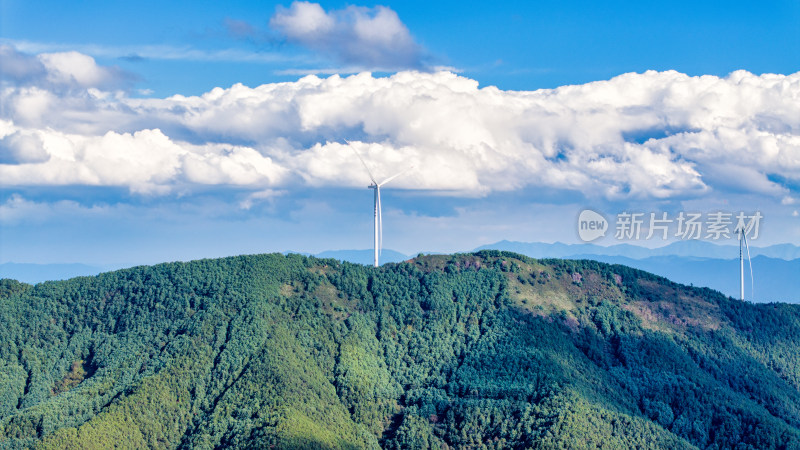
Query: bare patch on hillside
[679, 312]
[332, 302]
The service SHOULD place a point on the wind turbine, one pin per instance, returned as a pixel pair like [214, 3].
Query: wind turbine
[377, 211]
[742, 232]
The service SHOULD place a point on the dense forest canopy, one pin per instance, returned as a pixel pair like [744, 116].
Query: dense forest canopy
[485, 350]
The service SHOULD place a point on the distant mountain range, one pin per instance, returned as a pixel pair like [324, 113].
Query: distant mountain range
[774, 279]
[698, 263]
[699, 249]
[37, 273]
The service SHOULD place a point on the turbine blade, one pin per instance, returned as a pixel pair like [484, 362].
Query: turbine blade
[395, 176]
[380, 222]
[362, 162]
[750, 263]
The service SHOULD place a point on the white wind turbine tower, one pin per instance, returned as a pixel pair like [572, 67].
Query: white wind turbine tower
[742, 232]
[377, 186]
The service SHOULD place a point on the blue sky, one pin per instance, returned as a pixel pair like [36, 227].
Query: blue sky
[513, 45]
[155, 131]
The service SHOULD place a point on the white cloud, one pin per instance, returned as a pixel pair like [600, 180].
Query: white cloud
[59, 70]
[303, 21]
[146, 162]
[655, 135]
[75, 68]
[22, 147]
[372, 38]
[17, 209]
[259, 197]
[19, 67]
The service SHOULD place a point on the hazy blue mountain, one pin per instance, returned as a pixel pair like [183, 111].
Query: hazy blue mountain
[561, 250]
[783, 251]
[690, 262]
[667, 261]
[775, 279]
[710, 250]
[700, 249]
[37, 273]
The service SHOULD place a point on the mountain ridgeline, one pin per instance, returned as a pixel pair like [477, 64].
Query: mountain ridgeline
[484, 350]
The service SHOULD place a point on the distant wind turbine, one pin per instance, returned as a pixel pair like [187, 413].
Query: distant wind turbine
[377, 186]
[742, 232]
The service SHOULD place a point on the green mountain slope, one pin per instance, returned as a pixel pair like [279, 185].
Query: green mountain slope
[486, 350]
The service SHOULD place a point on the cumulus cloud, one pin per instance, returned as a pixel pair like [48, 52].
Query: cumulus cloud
[146, 162]
[18, 67]
[653, 135]
[371, 38]
[73, 68]
[58, 71]
[17, 209]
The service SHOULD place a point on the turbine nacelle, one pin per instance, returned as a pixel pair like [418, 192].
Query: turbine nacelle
[378, 215]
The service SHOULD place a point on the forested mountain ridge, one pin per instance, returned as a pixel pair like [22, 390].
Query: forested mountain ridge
[485, 350]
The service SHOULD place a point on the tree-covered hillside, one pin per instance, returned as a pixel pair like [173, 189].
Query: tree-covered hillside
[486, 350]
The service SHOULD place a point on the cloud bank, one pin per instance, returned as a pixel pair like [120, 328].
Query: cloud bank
[653, 135]
[371, 38]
